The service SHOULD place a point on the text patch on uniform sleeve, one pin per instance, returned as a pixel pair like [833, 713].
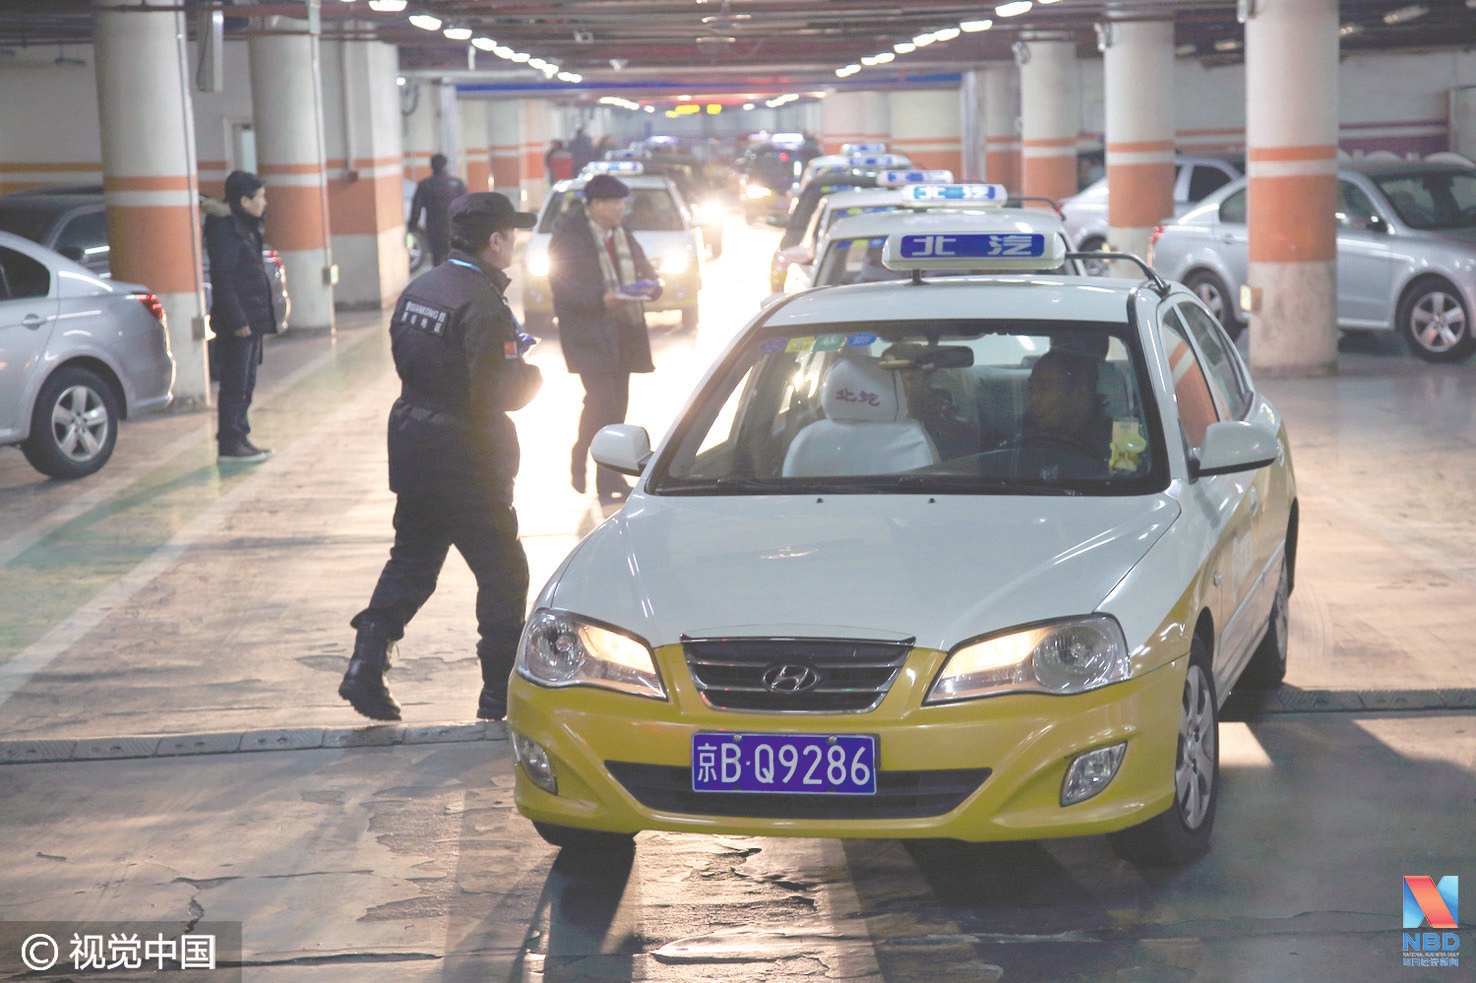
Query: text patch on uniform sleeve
[424, 317]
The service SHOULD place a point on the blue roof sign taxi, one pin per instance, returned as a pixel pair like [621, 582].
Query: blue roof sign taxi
[879, 160]
[863, 148]
[984, 251]
[614, 167]
[956, 192]
[896, 179]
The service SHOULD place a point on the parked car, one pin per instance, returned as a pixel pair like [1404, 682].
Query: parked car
[63, 391]
[1406, 253]
[73, 221]
[973, 557]
[662, 223]
[1195, 178]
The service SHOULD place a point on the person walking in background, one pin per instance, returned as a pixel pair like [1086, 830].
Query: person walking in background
[581, 148]
[453, 455]
[558, 163]
[241, 312]
[599, 277]
[433, 196]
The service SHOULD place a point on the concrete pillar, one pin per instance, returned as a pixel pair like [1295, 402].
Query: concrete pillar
[971, 124]
[504, 138]
[1138, 63]
[532, 145]
[287, 102]
[476, 169]
[148, 165]
[422, 127]
[1002, 125]
[926, 126]
[876, 117]
[1291, 96]
[1050, 114]
[366, 198]
[842, 120]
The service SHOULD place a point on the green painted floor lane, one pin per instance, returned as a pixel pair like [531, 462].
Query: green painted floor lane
[59, 574]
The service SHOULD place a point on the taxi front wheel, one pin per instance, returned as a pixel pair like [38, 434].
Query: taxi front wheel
[591, 841]
[1182, 833]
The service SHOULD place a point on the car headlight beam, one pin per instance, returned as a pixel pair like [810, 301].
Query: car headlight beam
[538, 265]
[674, 263]
[1063, 657]
[560, 650]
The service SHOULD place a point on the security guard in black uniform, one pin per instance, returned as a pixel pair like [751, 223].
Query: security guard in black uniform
[453, 454]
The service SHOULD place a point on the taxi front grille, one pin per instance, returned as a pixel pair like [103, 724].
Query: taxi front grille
[794, 675]
[899, 795]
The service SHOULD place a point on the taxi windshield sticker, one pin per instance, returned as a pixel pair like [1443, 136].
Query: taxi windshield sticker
[800, 344]
[974, 245]
[830, 342]
[770, 346]
[861, 339]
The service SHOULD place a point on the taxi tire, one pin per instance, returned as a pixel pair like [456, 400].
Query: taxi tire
[590, 841]
[1166, 840]
[1421, 298]
[1267, 666]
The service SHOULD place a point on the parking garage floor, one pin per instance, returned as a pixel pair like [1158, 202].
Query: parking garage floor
[174, 748]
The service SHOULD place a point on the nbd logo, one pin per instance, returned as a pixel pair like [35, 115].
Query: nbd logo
[1436, 906]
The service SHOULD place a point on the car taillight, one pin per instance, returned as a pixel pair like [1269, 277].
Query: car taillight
[1157, 234]
[152, 305]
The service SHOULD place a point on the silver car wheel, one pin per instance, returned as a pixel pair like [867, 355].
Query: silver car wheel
[1212, 297]
[1194, 769]
[79, 423]
[1438, 322]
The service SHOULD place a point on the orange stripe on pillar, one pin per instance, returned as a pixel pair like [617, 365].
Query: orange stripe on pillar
[1141, 195]
[295, 217]
[1140, 147]
[478, 176]
[284, 169]
[1292, 219]
[155, 245]
[367, 206]
[1003, 167]
[1320, 151]
[505, 172]
[1049, 177]
[167, 183]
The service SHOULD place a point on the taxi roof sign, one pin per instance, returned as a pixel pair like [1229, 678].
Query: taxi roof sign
[948, 193]
[966, 250]
[896, 179]
[863, 148]
[614, 167]
[879, 160]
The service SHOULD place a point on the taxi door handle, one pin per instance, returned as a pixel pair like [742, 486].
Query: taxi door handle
[1255, 501]
[33, 321]
[1227, 237]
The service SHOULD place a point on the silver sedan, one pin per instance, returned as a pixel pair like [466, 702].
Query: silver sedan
[78, 354]
[1406, 253]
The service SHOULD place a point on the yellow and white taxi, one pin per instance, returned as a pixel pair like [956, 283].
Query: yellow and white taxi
[973, 557]
[655, 213]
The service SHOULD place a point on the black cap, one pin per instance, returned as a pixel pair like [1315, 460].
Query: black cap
[605, 186]
[491, 210]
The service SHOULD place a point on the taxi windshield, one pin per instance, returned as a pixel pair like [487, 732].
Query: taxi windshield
[646, 210]
[932, 407]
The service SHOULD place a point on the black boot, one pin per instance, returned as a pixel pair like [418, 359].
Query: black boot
[363, 684]
[496, 654]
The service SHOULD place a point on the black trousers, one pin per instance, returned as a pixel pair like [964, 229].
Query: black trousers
[486, 536]
[236, 360]
[606, 398]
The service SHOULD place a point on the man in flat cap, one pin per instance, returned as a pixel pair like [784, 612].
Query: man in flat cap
[453, 454]
[596, 273]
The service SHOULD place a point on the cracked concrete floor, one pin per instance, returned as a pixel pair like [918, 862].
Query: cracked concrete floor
[167, 597]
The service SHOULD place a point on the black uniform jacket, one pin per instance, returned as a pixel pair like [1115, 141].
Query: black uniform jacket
[594, 338]
[433, 198]
[455, 345]
[241, 294]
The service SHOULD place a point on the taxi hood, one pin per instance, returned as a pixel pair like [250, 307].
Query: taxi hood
[938, 569]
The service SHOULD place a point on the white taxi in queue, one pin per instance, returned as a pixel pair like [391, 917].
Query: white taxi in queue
[972, 557]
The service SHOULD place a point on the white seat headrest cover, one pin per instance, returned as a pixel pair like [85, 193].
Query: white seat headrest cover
[860, 392]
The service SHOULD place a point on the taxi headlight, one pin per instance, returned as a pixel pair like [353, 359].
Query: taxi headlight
[560, 650]
[756, 191]
[1063, 657]
[711, 212]
[674, 263]
[538, 265]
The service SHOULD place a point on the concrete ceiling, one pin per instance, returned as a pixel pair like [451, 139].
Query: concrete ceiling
[747, 47]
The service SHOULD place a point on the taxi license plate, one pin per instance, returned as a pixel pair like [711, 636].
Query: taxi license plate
[818, 764]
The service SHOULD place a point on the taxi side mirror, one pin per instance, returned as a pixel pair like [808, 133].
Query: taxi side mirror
[622, 447]
[1231, 446]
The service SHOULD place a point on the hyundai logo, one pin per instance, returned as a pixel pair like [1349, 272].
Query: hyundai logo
[790, 678]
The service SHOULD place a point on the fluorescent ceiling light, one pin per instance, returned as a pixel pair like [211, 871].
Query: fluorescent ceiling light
[426, 22]
[520, 57]
[923, 40]
[1348, 29]
[1406, 13]
[975, 26]
[1185, 50]
[885, 57]
[537, 63]
[747, 106]
[650, 109]
[1048, 1]
[869, 60]
[458, 33]
[570, 77]
[387, 6]
[502, 51]
[904, 47]
[484, 44]
[947, 33]
[1227, 44]
[1013, 9]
